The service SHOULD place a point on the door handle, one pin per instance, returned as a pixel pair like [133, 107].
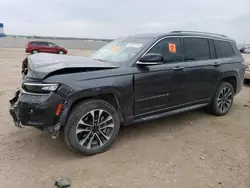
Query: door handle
[216, 64]
[178, 68]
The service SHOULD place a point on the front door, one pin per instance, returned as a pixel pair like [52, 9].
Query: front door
[158, 87]
[52, 48]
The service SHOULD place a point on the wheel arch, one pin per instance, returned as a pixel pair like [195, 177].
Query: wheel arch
[108, 96]
[231, 77]
[60, 50]
[34, 50]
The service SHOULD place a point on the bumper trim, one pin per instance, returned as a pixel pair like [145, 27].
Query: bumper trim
[39, 111]
[22, 91]
[16, 120]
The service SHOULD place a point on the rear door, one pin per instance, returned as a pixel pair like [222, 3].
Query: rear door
[159, 87]
[201, 63]
[226, 57]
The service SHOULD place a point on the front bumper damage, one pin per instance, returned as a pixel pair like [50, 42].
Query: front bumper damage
[36, 110]
[13, 112]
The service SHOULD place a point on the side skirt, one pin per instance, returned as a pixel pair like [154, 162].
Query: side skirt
[164, 114]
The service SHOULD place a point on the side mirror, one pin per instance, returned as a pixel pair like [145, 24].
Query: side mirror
[151, 59]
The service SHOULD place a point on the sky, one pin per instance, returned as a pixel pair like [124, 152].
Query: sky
[115, 18]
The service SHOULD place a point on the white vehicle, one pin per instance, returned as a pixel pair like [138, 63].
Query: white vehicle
[247, 50]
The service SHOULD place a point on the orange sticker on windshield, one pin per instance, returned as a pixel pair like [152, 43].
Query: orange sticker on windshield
[172, 47]
[114, 48]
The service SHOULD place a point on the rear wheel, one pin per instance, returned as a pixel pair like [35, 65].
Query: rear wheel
[223, 99]
[92, 127]
[34, 51]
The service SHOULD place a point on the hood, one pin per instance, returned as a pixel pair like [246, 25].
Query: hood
[42, 64]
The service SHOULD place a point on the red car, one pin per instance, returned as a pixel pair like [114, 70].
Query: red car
[42, 46]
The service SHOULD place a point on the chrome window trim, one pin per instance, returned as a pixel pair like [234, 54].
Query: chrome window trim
[177, 36]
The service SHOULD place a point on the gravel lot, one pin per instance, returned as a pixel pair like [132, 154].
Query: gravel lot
[191, 150]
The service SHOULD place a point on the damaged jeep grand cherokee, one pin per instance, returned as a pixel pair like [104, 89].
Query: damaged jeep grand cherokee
[129, 80]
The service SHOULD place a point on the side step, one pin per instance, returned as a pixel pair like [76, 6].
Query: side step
[189, 108]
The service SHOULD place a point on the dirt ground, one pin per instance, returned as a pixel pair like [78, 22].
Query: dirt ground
[189, 150]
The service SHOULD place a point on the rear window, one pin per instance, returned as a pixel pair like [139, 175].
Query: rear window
[223, 49]
[34, 44]
[196, 49]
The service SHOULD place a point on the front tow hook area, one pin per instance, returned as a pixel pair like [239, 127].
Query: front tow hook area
[16, 120]
[54, 130]
[12, 111]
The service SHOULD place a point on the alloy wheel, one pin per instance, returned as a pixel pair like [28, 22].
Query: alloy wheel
[94, 129]
[224, 99]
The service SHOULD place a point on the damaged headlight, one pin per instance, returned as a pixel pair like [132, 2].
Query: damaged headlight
[39, 87]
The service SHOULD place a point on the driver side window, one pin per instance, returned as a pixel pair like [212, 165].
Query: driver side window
[170, 48]
[51, 45]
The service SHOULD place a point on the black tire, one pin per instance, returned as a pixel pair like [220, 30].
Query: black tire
[215, 107]
[77, 114]
[35, 51]
[60, 52]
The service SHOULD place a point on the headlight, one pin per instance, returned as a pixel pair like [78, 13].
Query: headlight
[39, 87]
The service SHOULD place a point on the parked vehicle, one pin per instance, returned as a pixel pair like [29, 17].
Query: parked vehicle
[43, 46]
[247, 74]
[242, 49]
[130, 80]
[247, 50]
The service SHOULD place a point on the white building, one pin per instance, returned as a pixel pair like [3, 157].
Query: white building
[1, 30]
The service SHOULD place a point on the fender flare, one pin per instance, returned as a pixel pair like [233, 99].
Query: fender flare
[226, 75]
[229, 74]
[81, 95]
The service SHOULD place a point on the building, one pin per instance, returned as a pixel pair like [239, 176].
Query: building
[1, 30]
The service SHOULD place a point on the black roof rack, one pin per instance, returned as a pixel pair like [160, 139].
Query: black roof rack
[198, 32]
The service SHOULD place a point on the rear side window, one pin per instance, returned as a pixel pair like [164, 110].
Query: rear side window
[223, 49]
[196, 49]
[44, 44]
[33, 43]
[170, 48]
[39, 43]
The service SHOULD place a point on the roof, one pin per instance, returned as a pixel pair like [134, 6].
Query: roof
[37, 41]
[185, 33]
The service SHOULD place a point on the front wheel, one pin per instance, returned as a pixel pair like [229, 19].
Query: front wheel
[61, 52]
[92, 127]
[223, 99]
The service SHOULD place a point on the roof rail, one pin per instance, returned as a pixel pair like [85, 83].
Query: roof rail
[198, 32]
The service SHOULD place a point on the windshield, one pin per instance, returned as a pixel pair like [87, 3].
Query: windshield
[121, 50]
